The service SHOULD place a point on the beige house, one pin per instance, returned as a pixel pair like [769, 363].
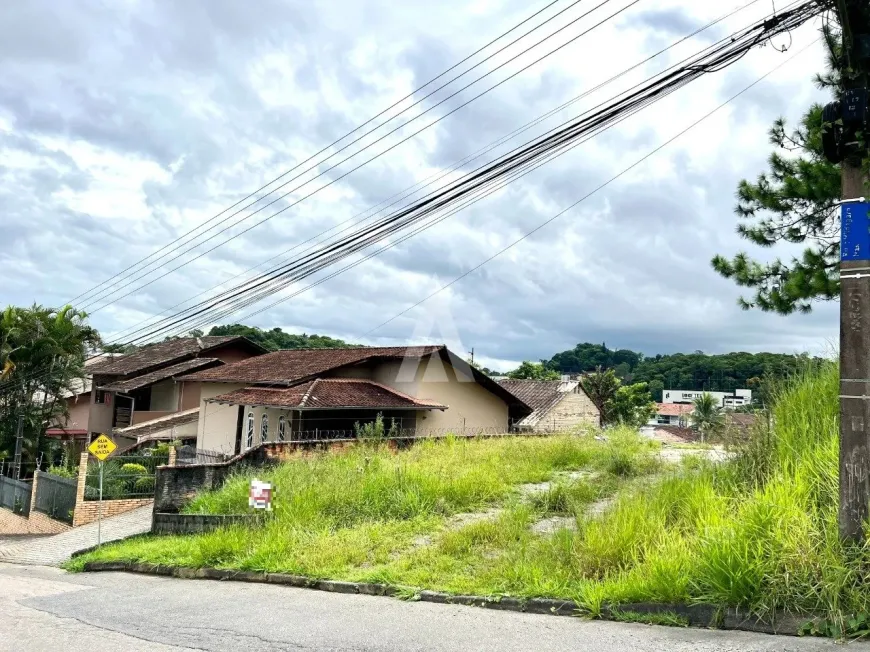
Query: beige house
[556, 405]
[322, 393]
[124, 395]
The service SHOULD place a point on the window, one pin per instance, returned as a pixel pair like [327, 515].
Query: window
[282, 425]
[249, 431]
[264, 428]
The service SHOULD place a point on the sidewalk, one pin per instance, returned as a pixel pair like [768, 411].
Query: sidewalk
[55, 549]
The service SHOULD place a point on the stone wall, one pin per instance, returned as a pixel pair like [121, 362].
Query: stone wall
[194, 523]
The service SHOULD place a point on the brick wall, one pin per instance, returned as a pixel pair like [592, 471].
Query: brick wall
[37, 523]
[86, 511]
[575, 409]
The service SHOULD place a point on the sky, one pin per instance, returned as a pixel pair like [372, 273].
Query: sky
[125, 125]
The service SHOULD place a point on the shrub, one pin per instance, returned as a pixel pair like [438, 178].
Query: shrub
[134, 469]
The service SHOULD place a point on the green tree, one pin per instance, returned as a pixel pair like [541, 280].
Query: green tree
[276, 339]
[43, 351]
[618, 403]
[793, 202]
[707, 416]
[632, 405]
[533, 371]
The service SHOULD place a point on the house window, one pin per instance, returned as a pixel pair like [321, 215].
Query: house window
[264, 428]
[282, 424]
[249, 431]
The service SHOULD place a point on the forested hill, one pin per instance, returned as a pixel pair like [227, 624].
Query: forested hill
[276, 338]
[694, 371]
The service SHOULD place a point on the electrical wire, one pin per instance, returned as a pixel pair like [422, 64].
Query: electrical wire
[441, 174]
[593, 192]
[322, 173]
[730, 52]
[328, 147]
[564, 136]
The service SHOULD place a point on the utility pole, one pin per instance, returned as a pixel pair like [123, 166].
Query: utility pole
[854, 18]
[472, 356]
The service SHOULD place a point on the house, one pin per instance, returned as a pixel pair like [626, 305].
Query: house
[126, 391]
[671, 414]
[322, 393]
[557, 405]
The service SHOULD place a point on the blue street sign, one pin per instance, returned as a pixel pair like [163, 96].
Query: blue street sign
[855, 231]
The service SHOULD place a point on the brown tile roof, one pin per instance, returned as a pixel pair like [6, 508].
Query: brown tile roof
[673, 409]
[163, 353]
[138, 382]
[540, 395]
[328, 393]
[291, 366]
[148, 428]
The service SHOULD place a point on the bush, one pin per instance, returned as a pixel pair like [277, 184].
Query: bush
[144, 485]
[134, 469]
[63, 471]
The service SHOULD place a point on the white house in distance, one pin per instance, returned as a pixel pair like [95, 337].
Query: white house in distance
[726, 400]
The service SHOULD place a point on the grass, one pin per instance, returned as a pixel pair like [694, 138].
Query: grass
[757, 532]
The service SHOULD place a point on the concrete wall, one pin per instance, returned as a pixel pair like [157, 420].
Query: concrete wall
[141, 416]
[228, 354]
[574, 410]
[188, 396]
[164, 396]
[100, 417]
[471, 407]
[164, 523]
[217, 423]
[272, 415]
[79, 412]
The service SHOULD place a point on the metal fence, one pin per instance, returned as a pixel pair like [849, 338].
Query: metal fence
[124, 476]
[186, 455]
[15, 495]
[56, 496]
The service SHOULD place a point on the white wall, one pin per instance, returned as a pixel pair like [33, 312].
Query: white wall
[216, 430]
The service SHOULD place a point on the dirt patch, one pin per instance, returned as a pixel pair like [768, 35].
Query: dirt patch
[544, 487]
[554, 524]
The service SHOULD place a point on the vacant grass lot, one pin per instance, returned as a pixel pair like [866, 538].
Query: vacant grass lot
[758, 531]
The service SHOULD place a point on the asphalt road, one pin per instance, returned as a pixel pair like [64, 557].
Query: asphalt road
[46, 609]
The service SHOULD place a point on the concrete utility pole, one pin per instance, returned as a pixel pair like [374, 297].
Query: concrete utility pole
[854, 17]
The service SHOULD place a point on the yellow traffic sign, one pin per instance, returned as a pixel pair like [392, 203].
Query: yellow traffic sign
[102, 447]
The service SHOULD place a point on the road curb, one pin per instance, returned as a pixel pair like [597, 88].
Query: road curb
[704, 616]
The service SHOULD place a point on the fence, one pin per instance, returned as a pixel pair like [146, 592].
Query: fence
[190, 455]
[15, 495]
[124, 477]
[56, 496]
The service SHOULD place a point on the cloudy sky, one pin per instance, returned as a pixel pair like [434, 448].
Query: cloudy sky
[124, 125]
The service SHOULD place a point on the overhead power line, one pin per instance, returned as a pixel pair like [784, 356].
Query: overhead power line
[408, 192]
[325, 149]
[590, 194]
[735, 48]
[536, 151]
[321, 173]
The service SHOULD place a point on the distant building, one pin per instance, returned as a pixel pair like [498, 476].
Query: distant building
[737, 398]
[671, 414]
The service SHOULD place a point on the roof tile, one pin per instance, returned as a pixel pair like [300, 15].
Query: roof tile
[291, 366]
[327, 393]
[138, 382]
[162, 353]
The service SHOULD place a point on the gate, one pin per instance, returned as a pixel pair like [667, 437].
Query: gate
[15, 495]
[56, 496]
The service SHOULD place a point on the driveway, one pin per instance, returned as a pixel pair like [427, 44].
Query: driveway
[47, 609]
[53, 550]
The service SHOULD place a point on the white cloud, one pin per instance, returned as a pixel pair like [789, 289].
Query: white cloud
[133, 123]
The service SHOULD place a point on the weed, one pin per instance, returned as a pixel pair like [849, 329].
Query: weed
[659, 618]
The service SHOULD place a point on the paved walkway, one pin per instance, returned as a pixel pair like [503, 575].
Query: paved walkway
[55, 549]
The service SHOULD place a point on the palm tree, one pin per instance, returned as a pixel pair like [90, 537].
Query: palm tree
[707, 415]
